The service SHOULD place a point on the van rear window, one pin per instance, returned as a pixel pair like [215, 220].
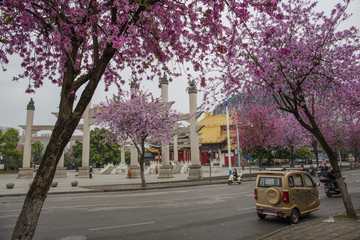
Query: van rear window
[269, 182]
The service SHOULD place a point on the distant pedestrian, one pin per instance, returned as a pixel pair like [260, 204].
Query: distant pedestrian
[243, 165]
[90, 172]
[312, 170]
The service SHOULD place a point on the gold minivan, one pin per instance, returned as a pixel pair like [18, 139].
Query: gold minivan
[285, 193]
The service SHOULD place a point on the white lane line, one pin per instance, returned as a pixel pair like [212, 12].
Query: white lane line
[241, 209]
[121, 226]
[130, 203]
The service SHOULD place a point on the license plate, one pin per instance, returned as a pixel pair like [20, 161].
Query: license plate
[269, 210]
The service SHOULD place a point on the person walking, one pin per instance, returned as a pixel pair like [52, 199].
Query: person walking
[243, 165]
[312, 170]
[90, 172]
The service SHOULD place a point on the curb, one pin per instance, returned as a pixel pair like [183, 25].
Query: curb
[156, 185]
[137, 186]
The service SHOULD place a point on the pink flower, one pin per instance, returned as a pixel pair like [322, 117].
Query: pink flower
[285, 51]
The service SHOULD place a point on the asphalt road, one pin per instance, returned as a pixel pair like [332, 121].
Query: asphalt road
[202, 212]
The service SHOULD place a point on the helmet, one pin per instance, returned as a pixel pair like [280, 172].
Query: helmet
[331, 169]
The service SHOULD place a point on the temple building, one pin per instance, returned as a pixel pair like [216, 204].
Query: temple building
[212, 139]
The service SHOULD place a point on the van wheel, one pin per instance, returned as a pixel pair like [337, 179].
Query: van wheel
[294, 217]
[261, 216]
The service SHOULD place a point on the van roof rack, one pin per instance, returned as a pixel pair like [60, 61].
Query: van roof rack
[284, 169]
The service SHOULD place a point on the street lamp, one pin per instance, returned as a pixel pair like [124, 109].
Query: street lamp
[228, 136]
[237, 136]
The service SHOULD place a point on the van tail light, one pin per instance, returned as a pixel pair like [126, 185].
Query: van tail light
[286, 197]
[255, 194]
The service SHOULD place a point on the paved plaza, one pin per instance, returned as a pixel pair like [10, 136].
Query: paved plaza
[101, 182]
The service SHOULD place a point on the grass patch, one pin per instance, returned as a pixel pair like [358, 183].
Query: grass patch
[346, 217]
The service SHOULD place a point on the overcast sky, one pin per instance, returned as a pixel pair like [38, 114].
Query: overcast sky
[13, 100]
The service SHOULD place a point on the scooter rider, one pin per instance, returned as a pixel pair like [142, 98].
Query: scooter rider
[331, 177]
[235, 175]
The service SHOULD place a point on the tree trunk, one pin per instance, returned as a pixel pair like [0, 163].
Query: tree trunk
[259, 157]
[143, 183]
[292, 156]
[314, 143]
[142, 156]
[350, 211]
[338, 175]
[314, 129]
[65, 126]
[35, 198]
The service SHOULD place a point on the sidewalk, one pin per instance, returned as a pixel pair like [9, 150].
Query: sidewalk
[319, 229]
[116, 182]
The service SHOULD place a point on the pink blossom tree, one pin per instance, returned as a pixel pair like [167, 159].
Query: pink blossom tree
[293, 135]
[353, 140]
[139, 118]
[77, 43]
[263, 132]
[290, 57]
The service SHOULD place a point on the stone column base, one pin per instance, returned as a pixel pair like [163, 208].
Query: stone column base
[60, 172]
[25, 173]
[165, 171]
[134, 171]
[195, 172]
[83, 172]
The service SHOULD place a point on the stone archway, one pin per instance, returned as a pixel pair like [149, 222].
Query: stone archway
[26, 171]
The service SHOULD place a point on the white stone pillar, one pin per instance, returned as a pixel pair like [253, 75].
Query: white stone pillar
[176, 153]
[60, 169]
[86, 138]
[195, 170]
[134, 156]
[61, 161]
[26, 171]
[122, 155]
[84, 169]
[134, 163]
[165, 170]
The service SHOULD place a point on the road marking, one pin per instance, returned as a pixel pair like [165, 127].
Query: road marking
[241, 209]
[130, 203]
[121, 226]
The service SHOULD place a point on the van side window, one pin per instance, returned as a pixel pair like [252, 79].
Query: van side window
[291, 181]
[308, 181]
[298, 180]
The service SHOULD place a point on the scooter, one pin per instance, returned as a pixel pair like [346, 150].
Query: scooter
[233, 180]
[329, 187]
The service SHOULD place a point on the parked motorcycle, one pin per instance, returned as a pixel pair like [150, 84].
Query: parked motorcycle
[233, 180]
[329, 187]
